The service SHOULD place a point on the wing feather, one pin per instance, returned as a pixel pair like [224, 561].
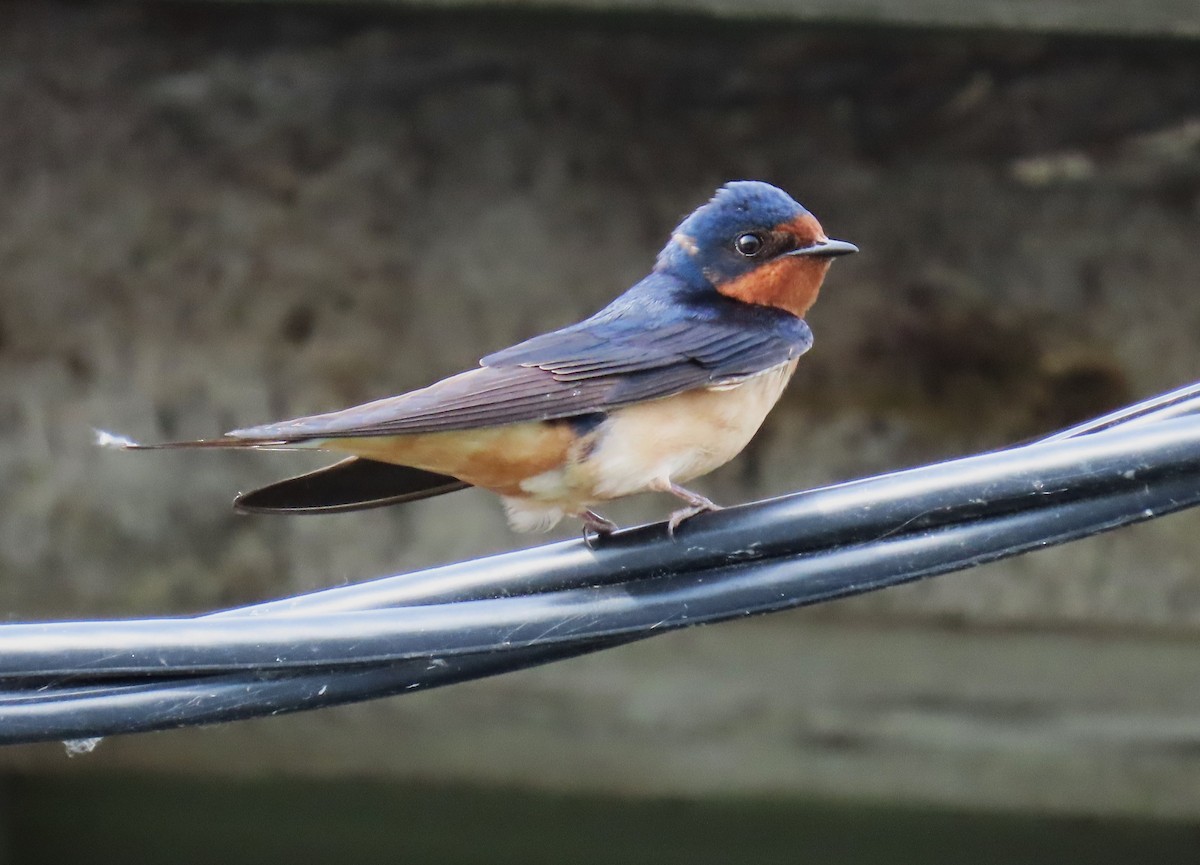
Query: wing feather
[591, 367]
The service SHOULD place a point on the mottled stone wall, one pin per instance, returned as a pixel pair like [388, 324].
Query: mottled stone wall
[213, 216]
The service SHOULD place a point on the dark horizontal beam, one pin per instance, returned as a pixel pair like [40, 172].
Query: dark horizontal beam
[1149, 18]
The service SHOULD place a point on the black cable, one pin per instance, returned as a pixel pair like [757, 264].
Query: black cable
[1177, 403]
[86, 712]
[80, 679]
[215, 698]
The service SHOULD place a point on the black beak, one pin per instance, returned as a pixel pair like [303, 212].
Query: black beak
[827, 248]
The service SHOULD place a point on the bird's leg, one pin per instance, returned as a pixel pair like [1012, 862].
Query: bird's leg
[697, 504]
[595, 527]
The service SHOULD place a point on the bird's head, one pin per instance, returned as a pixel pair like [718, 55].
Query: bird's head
[754, 243]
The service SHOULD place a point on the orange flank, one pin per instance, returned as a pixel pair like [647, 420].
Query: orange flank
[496, 458]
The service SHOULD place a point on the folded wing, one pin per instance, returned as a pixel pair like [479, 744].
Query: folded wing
[587, 368]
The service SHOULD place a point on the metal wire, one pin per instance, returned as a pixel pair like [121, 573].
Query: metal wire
[507, 612]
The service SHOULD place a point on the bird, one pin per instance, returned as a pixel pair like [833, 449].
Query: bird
[667, 382]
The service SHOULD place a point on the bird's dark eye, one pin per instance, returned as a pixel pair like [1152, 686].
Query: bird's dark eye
[748, 244]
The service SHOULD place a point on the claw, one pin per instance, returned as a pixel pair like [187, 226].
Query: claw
[596, 527]
[680, 515]
[697, 504]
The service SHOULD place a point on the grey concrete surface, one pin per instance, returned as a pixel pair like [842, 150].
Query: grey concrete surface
[212, 216]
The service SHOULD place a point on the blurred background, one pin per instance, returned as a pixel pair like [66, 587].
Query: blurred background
[213, 215]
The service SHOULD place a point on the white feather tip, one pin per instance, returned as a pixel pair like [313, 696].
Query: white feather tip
[106, 439]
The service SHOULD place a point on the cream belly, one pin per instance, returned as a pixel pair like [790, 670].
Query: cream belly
[649, 446]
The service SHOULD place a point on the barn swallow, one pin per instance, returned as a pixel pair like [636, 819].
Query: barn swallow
[663, 385]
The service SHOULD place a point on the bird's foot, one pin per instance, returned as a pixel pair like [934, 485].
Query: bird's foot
[697, 504]
[596, 527]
